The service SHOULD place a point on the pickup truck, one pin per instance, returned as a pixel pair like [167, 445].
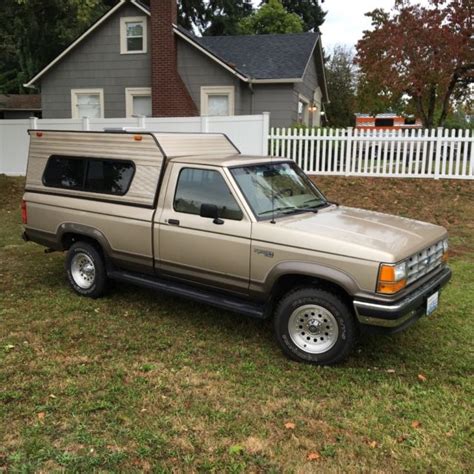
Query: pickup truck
[189, 215]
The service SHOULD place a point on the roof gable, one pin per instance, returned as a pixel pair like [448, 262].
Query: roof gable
[84, 35]
[252, 58]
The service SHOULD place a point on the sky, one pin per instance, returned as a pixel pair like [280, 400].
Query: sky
[345, 20]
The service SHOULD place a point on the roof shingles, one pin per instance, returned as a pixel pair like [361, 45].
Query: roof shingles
[262, 56]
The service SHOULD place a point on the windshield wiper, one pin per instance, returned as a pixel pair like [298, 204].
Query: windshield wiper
[319, 206]
[277, 209]
[302, 209]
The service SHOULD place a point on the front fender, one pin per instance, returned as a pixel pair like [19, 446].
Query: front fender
[314, 270]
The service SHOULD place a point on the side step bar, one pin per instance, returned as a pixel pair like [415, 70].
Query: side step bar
[229, 303]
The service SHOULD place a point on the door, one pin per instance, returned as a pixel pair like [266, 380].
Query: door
[214, 252]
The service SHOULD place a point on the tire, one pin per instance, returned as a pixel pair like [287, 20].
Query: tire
[315, 326]
[86, 270]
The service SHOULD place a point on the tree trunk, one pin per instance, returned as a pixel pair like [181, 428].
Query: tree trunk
[431, 106]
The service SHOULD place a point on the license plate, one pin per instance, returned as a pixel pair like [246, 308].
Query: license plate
[432, 303]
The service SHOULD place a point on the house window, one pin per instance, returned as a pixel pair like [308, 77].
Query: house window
[138, 101]
[87, 103]
[133, 35]
[303, 111]
[217, 101]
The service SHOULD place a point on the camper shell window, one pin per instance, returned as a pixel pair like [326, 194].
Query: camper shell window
[93, 175]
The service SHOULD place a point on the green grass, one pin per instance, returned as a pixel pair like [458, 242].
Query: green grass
[138, 381]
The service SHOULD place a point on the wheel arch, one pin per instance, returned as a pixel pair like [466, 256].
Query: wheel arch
[69, 233]
[290, 275]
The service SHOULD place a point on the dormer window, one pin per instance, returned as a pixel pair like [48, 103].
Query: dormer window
[133, 35]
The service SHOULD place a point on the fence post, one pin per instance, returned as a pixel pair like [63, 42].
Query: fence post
[33, 123]
[204, 124]
[141, 121]
[265, 132]
[439, 143]
[86, 125]
[348, 150]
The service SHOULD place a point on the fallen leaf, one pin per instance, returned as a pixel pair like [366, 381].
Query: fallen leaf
[415, 424]
[290, 426]
[402, 438]
[313, 456]
[41, 416]
[421, 378]
[53, 396]
[372, 444]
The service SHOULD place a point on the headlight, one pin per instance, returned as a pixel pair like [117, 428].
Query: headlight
[392, 278]
[445, 250]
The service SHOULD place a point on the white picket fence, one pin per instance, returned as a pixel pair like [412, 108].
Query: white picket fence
[248, 132]
[436, 153]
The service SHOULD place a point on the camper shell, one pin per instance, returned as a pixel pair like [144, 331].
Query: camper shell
[189, 215]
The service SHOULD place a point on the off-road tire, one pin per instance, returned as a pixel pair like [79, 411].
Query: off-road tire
[342, 316]
[99, 281]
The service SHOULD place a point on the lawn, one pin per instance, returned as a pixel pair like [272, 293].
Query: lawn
[138, 381]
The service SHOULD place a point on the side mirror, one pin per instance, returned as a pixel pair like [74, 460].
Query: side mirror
[210, 211]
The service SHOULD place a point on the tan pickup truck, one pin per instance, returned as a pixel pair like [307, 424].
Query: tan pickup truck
[187, 214]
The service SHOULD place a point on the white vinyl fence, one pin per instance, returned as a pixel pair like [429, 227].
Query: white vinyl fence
[436, 153]
[248, 132]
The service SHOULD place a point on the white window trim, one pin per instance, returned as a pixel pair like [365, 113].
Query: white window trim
[130, 93]
[76, 92]
[206, 91]
[306, 113]
[123, 33]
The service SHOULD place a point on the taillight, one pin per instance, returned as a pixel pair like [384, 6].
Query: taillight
[24, 212]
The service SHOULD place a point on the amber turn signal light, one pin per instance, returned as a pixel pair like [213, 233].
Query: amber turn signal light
[392, 278]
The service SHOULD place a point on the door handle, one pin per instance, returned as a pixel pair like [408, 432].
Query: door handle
[173, 221]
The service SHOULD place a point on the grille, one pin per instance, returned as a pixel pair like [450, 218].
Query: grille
[424, 262]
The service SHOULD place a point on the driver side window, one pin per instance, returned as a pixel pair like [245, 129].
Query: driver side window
[200, 186]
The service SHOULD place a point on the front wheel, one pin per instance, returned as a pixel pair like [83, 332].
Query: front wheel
[315, 326]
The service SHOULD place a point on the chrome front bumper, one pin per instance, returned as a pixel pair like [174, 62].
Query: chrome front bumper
[396, 316]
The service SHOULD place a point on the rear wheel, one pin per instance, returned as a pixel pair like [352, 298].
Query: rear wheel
[315, 326]
[86, 270]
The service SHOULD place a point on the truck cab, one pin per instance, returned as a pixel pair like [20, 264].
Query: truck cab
[189, 215]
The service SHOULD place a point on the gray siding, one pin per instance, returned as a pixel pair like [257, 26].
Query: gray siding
[280, 100]
[97, 63]
[197, 70]
[308, 87]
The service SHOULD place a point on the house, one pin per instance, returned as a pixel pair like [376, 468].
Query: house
[135, 61]
[386, 121]
[19, 106]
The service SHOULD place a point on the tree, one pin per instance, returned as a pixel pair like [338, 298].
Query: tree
[422, 53]
[216, 17]
[272, 17]
[341, 81]
[33, 32]
[308, 10]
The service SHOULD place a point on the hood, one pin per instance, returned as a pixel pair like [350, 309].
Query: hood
[354, 232]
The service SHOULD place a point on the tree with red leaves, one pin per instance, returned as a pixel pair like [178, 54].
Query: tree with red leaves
[425, 53]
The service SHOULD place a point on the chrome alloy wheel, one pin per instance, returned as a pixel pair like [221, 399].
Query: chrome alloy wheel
[83, 271]
[313, 329]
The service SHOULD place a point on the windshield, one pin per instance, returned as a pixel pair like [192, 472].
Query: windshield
[283, 183]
